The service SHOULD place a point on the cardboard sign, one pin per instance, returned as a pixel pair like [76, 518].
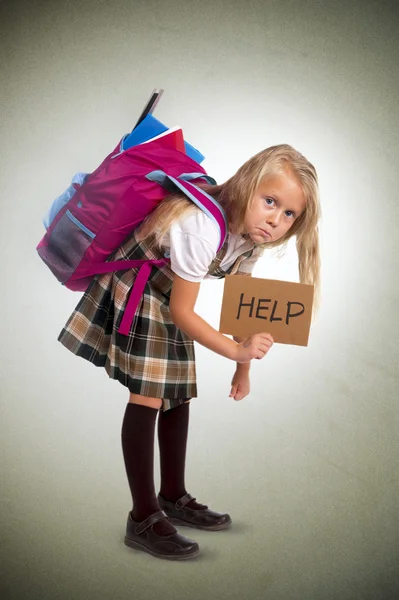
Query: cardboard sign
[281, 308]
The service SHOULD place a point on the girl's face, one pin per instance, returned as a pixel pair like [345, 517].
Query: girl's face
[278, 202]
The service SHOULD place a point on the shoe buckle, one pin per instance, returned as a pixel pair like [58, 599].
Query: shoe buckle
[181, 502]
[154, 518]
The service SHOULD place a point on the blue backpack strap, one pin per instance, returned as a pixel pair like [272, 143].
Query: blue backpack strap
[191, 176]
[203, 200]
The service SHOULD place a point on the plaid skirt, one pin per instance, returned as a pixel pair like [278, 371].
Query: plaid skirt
[155, 359]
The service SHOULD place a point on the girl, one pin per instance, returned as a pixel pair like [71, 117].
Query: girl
[272, 197]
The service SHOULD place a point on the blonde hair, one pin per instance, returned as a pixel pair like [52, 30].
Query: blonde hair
[236, 196]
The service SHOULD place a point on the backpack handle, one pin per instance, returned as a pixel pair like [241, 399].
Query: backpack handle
[190, 176]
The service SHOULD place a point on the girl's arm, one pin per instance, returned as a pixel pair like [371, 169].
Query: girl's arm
[242, 367]
[182, 302]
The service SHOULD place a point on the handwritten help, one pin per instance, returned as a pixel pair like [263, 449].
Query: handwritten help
[289, 312]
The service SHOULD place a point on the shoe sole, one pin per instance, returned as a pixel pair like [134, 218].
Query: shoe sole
[137, 546]
[176, 521]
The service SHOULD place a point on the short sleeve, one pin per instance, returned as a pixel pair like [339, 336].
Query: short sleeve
[193, 246]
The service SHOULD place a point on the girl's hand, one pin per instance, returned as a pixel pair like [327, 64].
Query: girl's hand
[239, 385]
[256, 346]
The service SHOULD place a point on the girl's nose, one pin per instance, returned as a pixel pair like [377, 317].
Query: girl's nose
[273, 218]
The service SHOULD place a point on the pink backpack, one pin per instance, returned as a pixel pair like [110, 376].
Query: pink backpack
[98, 211]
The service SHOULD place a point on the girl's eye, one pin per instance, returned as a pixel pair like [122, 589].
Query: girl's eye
[269, 201]
[289, 213]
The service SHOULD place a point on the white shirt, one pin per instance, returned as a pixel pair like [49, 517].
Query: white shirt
[192, 243]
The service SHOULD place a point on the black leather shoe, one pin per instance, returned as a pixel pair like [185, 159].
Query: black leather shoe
[141, 536]
[180, 514]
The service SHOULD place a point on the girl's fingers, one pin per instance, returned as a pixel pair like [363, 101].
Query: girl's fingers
[264, 347]
[238, 394]
[267, 337]
[264, 343]
[262, 350]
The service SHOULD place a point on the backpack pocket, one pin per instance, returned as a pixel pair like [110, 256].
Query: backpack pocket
[66, 246]
[77, 181]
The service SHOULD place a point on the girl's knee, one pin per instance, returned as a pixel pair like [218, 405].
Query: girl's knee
[145, 401]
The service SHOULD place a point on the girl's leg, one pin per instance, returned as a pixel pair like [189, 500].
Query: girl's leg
[138, 451]
[145, 401]
[172, 438]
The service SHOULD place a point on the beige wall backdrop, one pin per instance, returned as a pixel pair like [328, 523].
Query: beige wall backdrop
[307, 464]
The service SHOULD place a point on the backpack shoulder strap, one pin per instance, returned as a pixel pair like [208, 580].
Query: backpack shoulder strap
[203, 200]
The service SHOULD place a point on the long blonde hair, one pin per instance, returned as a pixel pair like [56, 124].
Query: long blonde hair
[236, 196]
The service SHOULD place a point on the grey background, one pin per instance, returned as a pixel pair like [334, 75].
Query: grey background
[307, 464]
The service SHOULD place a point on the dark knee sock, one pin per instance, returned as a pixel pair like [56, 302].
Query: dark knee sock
[138, 452]
[172, 438]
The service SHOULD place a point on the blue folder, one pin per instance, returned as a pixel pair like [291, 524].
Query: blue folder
[151, 127]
